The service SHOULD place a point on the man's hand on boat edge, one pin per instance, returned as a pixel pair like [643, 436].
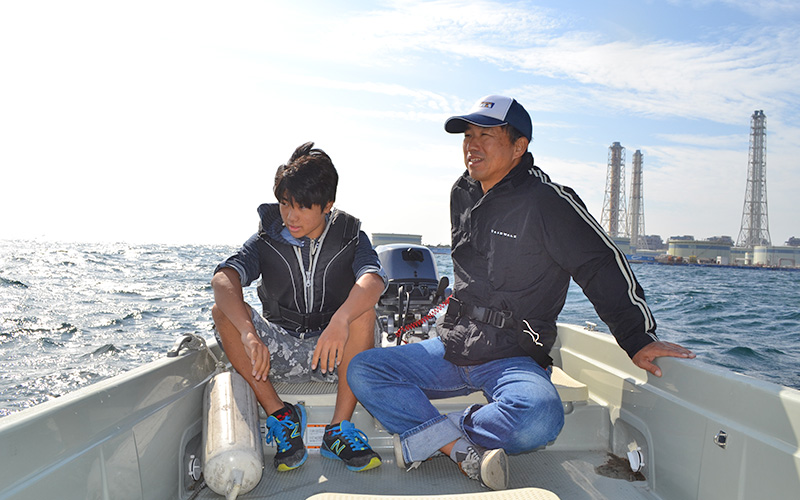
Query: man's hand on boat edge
[644, 358]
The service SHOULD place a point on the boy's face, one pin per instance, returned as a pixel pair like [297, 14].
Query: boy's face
[304, 221]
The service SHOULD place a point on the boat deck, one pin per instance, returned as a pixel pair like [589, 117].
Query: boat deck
[564, 474]
[565, 470]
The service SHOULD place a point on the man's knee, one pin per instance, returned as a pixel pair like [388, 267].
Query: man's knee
[534, 425]
[356, 373]
[362, 370]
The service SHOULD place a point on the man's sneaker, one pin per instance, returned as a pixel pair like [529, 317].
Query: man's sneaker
[287, 427]
[490, 467]
[346, 443]
[398, 451]
[398, 455]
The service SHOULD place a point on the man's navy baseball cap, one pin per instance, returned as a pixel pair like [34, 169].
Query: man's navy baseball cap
[493, 111]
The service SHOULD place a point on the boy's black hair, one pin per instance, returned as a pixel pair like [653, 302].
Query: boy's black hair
[309, 178]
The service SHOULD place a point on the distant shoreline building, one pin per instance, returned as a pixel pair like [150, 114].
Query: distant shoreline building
[776, 256]
[691, 250]
[720, 250]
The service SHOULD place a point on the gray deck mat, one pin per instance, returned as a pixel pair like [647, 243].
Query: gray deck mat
[569, 474]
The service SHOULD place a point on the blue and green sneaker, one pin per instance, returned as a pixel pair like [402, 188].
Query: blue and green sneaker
[286, 427]
[346, 443]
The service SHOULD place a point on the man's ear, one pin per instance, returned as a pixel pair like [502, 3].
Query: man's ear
[520, 147]
[328, 208]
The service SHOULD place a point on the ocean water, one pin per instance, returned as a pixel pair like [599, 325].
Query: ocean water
[743, 319]
[73, 314]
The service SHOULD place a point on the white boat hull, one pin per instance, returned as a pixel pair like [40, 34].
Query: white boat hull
[131, 436]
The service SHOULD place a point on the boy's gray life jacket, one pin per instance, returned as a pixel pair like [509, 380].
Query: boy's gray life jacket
[303, 297]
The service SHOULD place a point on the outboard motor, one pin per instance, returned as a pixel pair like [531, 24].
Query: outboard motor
[406, 309]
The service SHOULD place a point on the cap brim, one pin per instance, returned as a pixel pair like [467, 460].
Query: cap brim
[458, 124]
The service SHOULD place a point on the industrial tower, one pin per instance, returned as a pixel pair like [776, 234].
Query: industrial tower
[636, 205]
[615, 217]
[755, 225]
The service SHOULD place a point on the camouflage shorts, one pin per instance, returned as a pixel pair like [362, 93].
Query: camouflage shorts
[290, 357]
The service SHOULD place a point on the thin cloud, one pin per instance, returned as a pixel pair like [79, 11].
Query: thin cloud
[733, 142]
[669, 78]
[706, 80]
[765, 9]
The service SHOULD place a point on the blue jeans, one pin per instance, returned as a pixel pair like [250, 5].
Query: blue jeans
[396, 384]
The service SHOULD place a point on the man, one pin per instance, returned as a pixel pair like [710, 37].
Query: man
[517, 238]
[320, 281]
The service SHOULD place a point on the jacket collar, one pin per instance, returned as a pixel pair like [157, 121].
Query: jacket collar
[521, 172]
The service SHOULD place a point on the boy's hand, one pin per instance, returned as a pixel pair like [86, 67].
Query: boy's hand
[330, 346]
[258, 354]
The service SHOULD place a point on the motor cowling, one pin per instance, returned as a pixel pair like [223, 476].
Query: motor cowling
[414, 287]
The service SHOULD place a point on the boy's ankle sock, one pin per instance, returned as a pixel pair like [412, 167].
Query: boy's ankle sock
[286, 428]
[283, 412]
[459, 450]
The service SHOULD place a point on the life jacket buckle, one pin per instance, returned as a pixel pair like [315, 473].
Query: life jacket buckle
[498, 319]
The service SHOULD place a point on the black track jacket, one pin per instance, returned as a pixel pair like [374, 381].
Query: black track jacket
[514, 249]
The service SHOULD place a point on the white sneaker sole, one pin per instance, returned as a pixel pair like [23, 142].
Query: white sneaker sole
[494, 469]
[398, 451]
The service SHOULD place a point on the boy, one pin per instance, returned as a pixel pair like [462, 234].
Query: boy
[320, 281]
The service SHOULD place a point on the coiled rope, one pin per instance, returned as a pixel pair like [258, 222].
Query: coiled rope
[432, 314]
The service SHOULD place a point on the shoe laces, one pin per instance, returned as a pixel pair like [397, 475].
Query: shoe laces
[276, 429]
[471, 464]
[355, 438]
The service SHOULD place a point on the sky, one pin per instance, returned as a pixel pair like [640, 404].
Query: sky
[164, 121]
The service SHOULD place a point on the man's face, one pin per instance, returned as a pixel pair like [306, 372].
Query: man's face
[303, 221]
[489, 154]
